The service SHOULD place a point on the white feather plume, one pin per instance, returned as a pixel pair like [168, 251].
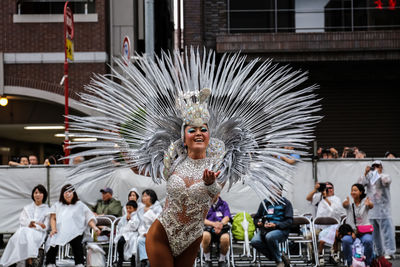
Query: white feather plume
[256, 108]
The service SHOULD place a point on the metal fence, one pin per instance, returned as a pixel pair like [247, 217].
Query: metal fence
[16, 185]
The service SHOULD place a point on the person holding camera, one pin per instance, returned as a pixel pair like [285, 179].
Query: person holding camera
[216, 229]
[322, 191]
[273, 221]
[378, 191]
[325, 204]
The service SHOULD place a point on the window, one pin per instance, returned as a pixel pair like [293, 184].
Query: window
[268, 16]
[54, 6]
[261, 16]
[361, 15]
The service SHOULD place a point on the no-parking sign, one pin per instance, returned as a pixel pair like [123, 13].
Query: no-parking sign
[126, 50]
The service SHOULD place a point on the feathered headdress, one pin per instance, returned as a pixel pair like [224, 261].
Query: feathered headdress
[253, 110]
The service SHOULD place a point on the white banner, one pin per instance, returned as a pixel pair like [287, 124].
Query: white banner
[16, 187]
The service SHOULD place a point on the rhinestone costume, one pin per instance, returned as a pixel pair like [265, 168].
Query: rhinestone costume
[188, 201]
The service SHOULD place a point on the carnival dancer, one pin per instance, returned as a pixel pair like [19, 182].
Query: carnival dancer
[197, 125]
[34, 221]
[69, 219]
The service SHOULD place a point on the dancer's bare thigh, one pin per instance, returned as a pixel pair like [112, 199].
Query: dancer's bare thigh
[159, 252]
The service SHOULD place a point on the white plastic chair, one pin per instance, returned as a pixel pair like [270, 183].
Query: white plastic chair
[107, 221]
[327, 221]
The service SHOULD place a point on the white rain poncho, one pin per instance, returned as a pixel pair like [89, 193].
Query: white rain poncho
[148, 217]
[378, 191]
[25, 242]
[129, 230]
[334, 210]
[72, 221]
[138, 201]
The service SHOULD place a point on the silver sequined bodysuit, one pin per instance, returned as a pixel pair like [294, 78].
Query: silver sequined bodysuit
[188, 201]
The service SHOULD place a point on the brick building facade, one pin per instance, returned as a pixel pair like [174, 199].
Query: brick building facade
[45, 39]
[32, 66]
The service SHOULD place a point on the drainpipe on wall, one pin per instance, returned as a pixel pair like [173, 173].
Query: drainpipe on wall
[149, 27]
[1, 74]
[315, 161]
[111, 33]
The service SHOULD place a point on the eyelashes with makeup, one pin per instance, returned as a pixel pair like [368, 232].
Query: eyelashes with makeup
[193, 130]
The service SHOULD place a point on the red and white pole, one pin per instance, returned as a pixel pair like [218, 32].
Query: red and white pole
[68, 33]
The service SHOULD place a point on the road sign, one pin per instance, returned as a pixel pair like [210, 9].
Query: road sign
[126, 49]
[69, 47]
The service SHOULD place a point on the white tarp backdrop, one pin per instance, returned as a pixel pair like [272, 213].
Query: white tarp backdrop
[16, 186]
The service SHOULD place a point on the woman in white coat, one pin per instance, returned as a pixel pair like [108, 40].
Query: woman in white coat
[69, 220]
[133, 195]
[25, 243]
[147, 214]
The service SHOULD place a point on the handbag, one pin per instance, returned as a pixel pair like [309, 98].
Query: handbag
[365, 229]
[381, 262]
[362, 229]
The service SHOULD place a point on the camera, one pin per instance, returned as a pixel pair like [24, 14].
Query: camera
[349, 152]
[322, 187]
[372, 168]
[326, 151]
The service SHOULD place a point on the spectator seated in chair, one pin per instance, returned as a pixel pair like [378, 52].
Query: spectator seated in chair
[127, 234]
[274, 221]
[328, 205]
[148, 213]
[26, 241]
[69, 220]
[107, 205]
[216, 229]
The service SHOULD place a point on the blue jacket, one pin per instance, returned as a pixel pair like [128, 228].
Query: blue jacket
[280, 214]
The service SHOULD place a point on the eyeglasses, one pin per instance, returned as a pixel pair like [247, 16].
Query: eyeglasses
[329, 188]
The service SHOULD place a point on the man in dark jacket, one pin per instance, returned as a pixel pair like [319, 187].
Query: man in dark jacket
[107, 205]
[274, 221]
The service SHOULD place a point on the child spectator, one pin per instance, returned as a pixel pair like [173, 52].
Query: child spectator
[127, 234]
